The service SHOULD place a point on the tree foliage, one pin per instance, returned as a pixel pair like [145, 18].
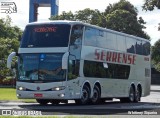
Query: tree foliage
[8, 42]
[121, 16]
[151, 4]
[156, 55]
[87, 15]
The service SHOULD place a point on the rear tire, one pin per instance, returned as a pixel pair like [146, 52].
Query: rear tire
[131, 97]
[84, 96]
[96, 95]
[138, 95]
[42, 101]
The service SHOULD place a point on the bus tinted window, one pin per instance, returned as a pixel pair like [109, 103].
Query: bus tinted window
[97, 69]
[121, 43]
[146, 48]
[130, 45]
[139, 48]
[48, 35]
[90, 36]
[111, 42]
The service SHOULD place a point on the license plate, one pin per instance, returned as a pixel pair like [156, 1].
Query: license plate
[38, 95]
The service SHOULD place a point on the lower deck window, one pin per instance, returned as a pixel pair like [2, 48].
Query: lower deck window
[97, 70]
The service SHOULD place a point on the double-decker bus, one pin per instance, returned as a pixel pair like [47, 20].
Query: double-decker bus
[71, 60]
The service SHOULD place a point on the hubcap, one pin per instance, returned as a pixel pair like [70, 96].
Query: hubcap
[131, 96]
[84, 95]
[95, 96]
[138, 95]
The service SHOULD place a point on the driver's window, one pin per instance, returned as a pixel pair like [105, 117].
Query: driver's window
[76, 35]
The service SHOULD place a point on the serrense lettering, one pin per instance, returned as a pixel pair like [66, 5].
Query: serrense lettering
[117, 57]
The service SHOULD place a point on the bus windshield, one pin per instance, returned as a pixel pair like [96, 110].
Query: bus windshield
[46, 35]
[41, 67]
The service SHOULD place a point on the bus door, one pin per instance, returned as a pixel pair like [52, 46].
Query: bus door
[72, 79]
[74, 60]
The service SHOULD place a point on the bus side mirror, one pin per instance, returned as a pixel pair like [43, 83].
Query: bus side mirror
[9, 59]
[65, 60]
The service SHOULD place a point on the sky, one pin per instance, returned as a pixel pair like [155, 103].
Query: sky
[21, 18]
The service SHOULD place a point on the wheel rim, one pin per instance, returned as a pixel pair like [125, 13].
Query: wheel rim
[131, 95]
[138, 95]
[85, 96]
[95, 95]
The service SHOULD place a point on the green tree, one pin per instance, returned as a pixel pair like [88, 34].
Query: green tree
[8, 42]
[8, 31]
[123, 5]
[156, 55]
[151, 4]
[64, 16]
[87, 15]
[122, 17]
[7, 46]
[94, 17]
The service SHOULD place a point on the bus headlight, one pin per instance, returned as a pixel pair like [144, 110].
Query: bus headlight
[21, 88]
[58, 88]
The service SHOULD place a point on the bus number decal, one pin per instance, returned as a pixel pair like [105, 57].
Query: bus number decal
[118, 57]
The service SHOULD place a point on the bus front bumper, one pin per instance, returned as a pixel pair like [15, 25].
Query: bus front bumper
[41, 94]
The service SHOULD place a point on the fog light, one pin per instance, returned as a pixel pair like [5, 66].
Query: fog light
[18, 95]
[61, 95]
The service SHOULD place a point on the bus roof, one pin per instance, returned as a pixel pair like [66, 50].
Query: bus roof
[86, 24]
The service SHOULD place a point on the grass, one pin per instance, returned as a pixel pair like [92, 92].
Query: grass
[35, 117]
[31, 117]
[9, 94]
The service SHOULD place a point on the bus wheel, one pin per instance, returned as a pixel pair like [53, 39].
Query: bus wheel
[84, 96]
[55, 102]
[42, 101]
[96, 95]
[131, 97]
[138, 95]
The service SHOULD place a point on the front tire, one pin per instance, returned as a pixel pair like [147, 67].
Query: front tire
[84, 96]
[42, 101]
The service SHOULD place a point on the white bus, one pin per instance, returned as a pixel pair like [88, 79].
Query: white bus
[71, 60]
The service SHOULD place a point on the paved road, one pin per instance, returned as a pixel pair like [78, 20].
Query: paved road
[148, 105]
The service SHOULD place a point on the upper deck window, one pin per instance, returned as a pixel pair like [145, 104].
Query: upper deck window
[46, 35]
[90, 36]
